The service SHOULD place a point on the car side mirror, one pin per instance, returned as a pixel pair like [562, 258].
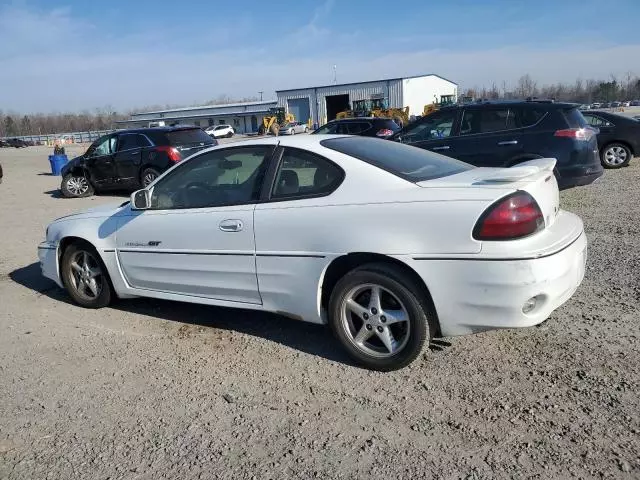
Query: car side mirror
[140, 200]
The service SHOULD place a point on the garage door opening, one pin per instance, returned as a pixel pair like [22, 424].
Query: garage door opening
[336, 104]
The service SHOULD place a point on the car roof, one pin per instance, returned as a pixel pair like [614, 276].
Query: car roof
[359, 119]
[529, 103]
[159, 129]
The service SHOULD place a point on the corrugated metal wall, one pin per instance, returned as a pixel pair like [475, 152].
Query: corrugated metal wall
[391, 89]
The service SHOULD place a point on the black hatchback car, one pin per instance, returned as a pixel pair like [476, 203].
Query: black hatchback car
[619, 137]
[130, 159]
[503, 134]
[361, 126]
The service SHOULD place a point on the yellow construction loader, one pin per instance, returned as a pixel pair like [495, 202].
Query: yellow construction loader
[376, 107]
[444, 101]
[273, 123]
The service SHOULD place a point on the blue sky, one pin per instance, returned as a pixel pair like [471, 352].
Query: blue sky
[80, 55]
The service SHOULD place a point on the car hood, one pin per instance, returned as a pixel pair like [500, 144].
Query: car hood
[102, 211]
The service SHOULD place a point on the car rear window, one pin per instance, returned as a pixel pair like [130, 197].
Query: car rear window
[574, 118]
[411, 163]
[187, 137]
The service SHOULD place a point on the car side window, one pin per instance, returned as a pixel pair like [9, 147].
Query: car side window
[127, 142]
[142, 141]
[529, 116]
[596, 121]
[105, 147]
[232, 176]
[486, 121]
[432, 127]
[329, 128]
[303, 174]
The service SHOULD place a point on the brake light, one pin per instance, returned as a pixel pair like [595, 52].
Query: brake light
[385, 132]
[576, 133]
[172, 152]
[515, 216]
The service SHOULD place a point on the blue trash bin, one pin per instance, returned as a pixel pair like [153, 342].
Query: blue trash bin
[57, 162]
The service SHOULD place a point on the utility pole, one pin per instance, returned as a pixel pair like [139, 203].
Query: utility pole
[335, 75]
[260, 95]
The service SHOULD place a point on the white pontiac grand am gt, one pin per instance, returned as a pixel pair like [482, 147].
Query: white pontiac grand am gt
[387, 243]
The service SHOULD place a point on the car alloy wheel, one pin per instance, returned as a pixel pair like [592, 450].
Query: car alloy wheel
[86, 275]
[78, 186]
[615, 156]
[375, 320]
[149, 178]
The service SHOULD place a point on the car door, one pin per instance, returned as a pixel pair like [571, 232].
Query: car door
[488, 136]
[435, 132]
[99, 161]
[197, 238]
[129, 156]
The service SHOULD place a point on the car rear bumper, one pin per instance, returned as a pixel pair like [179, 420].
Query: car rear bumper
[475, 295]
[48, 256]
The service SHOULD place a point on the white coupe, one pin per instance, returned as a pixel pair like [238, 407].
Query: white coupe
[387, 243]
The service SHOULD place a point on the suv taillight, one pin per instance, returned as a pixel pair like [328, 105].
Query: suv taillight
[385, 132]
[172, 152]
[577, 133]
[514, 216]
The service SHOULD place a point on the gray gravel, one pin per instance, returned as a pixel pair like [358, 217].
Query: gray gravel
[150, 389]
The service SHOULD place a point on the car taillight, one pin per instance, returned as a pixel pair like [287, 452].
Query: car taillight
[172, 152]
[515, 216]
[577, 133]
[385, 132]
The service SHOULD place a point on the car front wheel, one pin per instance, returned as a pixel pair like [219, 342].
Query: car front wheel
[380, 316]
[85, 276]
[76, 186]
[615, 155]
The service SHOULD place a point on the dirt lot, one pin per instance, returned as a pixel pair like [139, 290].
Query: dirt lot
[151, 389]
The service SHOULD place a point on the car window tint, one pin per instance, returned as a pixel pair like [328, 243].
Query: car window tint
[412, 164]
[329, 128]
[142, 141]
[355, 128]
[222, 177]
[486, 121]
[432, 127]
[187, 137]
[530, 116]
[127, 142]
[303, 174]
[596, 121]
[574, 118]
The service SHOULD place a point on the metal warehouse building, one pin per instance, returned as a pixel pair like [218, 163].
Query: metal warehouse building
[321, 104]
[243, 117]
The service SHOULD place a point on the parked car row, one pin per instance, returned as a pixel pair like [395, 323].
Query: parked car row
[16, 143]
[616, 104]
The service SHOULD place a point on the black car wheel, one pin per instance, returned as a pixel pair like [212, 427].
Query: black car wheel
[615, 155]
[230, 134]
[148, 176]
[380, 316]
[76, 186]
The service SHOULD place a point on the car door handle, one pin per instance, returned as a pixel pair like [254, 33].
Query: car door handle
[231, 225]
[435, 149]
[508, 142]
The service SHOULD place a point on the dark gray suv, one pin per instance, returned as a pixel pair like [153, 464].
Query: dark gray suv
[503, 134]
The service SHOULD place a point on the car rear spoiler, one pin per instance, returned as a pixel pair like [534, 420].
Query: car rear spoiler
[521, 171]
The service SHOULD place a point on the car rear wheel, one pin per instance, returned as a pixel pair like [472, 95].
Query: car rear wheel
[615, 155]
[76, 186]
[380, 316]
[85, 276]
[148, 176]
[230, 134]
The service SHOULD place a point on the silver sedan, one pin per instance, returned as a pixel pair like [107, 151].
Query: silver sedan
[292, 128]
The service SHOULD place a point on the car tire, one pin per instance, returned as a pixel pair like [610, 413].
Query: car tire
[230, 134]
[76, 186]
[615, 155]
[85, 277]
[396, 289]
[147, 176]
[306, 130]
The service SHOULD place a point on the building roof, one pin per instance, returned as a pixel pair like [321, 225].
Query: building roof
[368, 81]
[205, 107]
[239, 113]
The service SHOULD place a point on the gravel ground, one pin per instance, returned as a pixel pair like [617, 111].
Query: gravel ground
[150, 389]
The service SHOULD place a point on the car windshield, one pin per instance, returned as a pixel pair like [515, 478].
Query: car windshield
[186, 137]
[289, 125]
[327, 128]
[411, 163]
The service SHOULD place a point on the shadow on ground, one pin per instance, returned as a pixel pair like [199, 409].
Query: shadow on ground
[305, 337]
[115, 193]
